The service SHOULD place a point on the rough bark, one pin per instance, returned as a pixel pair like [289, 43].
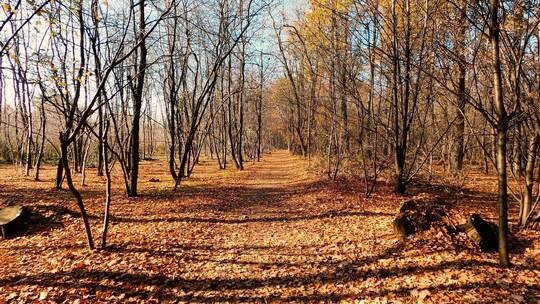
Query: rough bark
[502, 130]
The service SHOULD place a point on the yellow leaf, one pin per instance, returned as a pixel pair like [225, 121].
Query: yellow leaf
[6, 7]
[13, 56]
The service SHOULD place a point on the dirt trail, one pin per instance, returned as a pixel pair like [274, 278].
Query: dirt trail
[279, 169]
[270, 233]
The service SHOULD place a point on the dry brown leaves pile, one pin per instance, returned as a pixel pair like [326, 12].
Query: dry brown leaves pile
[272, 233]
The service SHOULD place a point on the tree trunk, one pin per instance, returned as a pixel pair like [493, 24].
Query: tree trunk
[100, 142]
[28, 149]
[503, 197]
[42, 144]
[399, 184]
[137, 105]
[400, 101]
[83, 163]
[231, 138]
[502, 130]
[459, 136]
[74, 191]
[59, 174]
[527, 201]
[107, 192]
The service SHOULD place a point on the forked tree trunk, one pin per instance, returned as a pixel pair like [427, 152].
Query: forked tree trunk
[65, 162]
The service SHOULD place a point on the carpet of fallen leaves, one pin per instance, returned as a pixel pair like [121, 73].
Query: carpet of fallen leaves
[272, 233]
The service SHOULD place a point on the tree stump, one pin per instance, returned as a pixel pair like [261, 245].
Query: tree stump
[408, 206]
[415, 216]
[11, 219]
[403, 226]
[481, 232]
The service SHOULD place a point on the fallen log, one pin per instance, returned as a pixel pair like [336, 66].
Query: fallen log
[11, 219]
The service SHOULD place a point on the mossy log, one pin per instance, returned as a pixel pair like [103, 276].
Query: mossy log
[11, 219]
[481, 232]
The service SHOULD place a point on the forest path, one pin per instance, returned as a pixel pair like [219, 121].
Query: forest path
[278, 169]
[265, 186]
[271, 233]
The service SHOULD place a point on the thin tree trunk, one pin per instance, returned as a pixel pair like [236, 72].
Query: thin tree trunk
[100, 142]
[399, 155]
[107, 192]
[75, 192]
[42, 144]
[84, 159]
[526, 205]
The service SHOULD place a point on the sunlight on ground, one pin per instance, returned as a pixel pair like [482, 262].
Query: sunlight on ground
[273, 233]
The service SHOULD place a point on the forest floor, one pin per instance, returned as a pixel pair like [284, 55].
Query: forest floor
[272, 233]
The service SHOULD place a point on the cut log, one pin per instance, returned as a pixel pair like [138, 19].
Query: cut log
[483, 233]
[11, 218]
